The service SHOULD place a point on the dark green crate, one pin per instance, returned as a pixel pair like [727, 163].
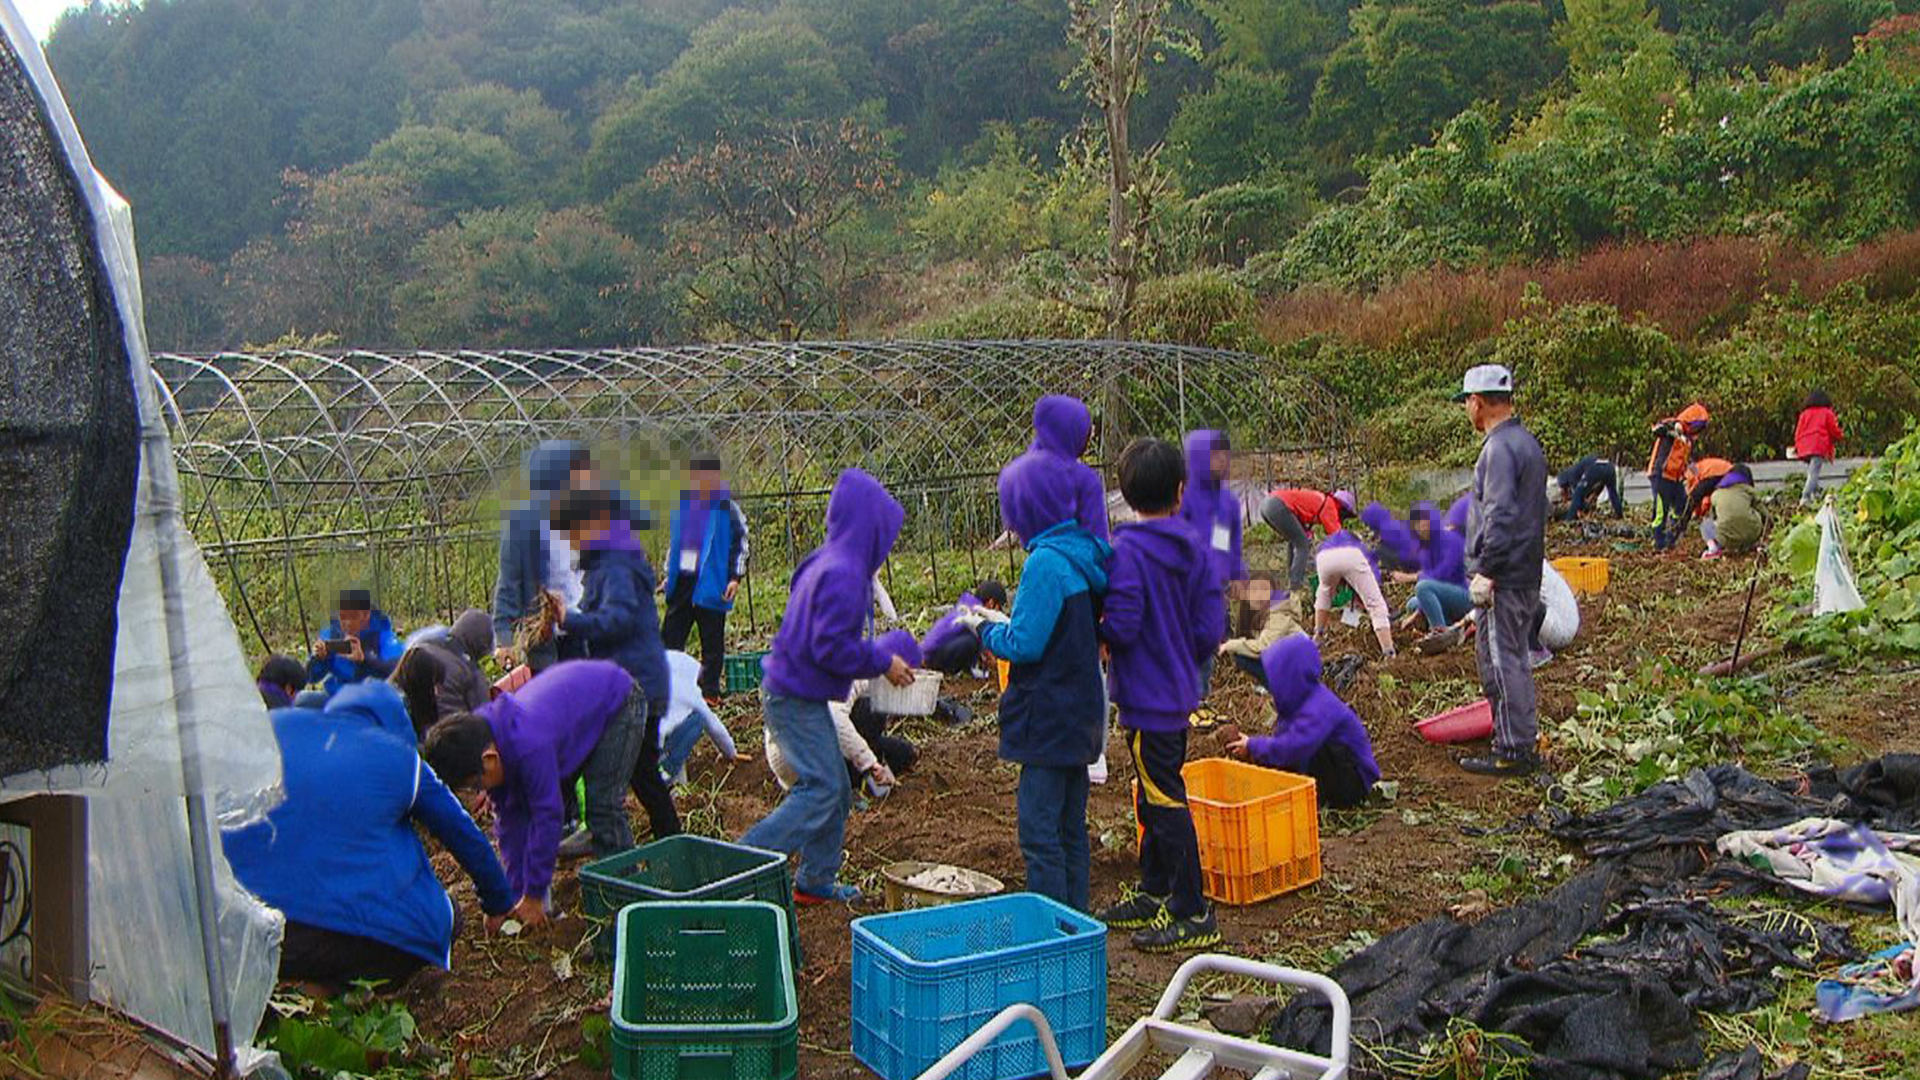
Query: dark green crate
[684, 868]
[704, 991]
[742, 672]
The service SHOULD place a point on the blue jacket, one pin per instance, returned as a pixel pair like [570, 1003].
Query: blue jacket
[1162, 618]
[617, 617]
[723, 549]
[822, 644]
[1211, 510]
[1051, 713]
[523, 543]
[340, 852]
[378, 643]
[1307, 715]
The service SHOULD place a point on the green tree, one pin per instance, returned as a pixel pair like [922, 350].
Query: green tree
[763, 219]
[452, 171]
[334, 270]
[519, 277]
[1600, 33]
[743, 73]
[1244, 127]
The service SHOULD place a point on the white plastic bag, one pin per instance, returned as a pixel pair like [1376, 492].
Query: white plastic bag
[1557, 630]
[1833, 587]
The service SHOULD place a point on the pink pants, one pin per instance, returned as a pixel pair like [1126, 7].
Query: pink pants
[1349, 565]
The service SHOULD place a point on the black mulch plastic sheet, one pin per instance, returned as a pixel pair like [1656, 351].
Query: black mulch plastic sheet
[68, 451]
[1602, 976]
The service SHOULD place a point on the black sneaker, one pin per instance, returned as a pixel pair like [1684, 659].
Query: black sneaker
[1500, 765]
[1135, 911]
[1179, 934]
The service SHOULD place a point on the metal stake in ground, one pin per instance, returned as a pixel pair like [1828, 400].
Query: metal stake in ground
[1753, 584]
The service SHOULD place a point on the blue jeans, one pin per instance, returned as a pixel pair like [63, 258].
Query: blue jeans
[1441, 602]
[811, 819]
[679, 744]
[1052, 807]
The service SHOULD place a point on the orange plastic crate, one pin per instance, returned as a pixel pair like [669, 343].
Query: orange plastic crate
[1586, 576]
[1259, 829]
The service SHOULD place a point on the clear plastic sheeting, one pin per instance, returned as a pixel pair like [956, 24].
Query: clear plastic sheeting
[185, 718]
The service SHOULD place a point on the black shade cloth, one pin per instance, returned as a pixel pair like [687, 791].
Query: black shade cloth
[69, 431]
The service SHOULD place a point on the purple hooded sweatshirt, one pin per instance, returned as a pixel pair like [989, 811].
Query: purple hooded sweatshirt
[1061, 427]
[1444, 556]
[947, 627]
[1162, 617]
[1458, 513]
[1211, 510]
[1307, 714]
[544, 732]
[1396, 536]
[822, 645]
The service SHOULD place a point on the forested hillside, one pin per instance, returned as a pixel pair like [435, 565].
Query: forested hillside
[1320, 179]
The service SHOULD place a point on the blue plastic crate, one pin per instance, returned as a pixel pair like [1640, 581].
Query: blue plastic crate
[924, 980]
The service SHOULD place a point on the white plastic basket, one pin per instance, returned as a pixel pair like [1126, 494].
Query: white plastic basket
[916, 700]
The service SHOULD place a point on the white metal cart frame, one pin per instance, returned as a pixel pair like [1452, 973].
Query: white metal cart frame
[1200, 1052]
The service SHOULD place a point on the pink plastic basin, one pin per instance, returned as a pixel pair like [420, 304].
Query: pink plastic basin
[1464, 724]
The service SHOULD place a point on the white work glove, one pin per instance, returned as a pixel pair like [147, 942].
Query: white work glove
[969, 619]
[882, 775]
[988, 614]
[1481, 590]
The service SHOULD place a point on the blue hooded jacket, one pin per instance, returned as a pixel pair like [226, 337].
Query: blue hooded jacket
[1162, 618]
[719, 532]
[1212, 511]
[378, 643]
[340, 852]
[1307, 714]
[1051, 713]
[822, 644]
[1061, 427]
[617, 617]
[523, 539]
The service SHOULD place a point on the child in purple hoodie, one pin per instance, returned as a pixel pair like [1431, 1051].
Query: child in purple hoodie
[1212, 511]
[1314, 732]
[821, 647]
[1163, 616]
[1061, 427]
[578, 716]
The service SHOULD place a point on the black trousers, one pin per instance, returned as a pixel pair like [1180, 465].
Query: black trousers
[1169, 850]
[336, 960]
[684, 615]
[1336, 777]
[648, 785]
[956, 655]
[898, 754]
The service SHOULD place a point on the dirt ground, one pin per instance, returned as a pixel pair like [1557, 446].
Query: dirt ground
[515, 1006]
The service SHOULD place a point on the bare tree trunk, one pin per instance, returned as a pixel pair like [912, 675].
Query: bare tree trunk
[1120, 262]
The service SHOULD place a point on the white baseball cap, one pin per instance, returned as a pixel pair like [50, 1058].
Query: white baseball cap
[1485, 379]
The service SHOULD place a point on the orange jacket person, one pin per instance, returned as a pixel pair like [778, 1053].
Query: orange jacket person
[1673, 440]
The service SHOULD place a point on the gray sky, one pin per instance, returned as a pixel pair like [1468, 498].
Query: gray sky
[41, 14]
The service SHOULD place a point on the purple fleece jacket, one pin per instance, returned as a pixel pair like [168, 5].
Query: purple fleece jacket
[1458, 513]
[947, 627]
[544, 732]
[1444, 556]
[1306, 714]
[822, 645]
[1061, 427]
[1163, 615]
[1396, 536]
[1211, 510]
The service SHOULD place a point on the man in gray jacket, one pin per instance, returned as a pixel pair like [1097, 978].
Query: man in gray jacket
[1506, 543]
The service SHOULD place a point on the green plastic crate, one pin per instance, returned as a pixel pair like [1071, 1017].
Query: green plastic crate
[742, 672]
[684, 868]
[704, 991]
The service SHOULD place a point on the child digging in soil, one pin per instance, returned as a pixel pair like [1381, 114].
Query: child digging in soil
[1162, 616]
[820, 649]
[1053, 720]
[1262, 615]
[1314, 732]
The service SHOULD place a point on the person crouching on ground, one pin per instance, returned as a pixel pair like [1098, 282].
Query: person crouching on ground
[617, 620]
[1262, 615]
[1314, 732]
[1738, 521]
[340, 856]
[358, 643]
[280, 680]
[1591, 476]
[952, 649]
[820, 649]
[1053, 720]
[1162, 615]
[1344, 558]
[1440, 595]
[578, 716]
[1293, 513]
[1506, 546]
[440, 675]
